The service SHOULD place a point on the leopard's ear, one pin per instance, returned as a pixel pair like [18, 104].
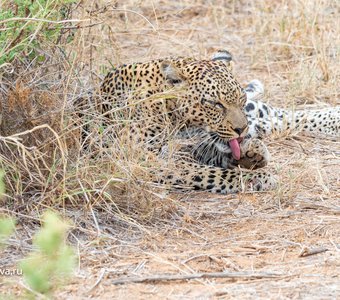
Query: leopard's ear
[171, 73]
[225, 56]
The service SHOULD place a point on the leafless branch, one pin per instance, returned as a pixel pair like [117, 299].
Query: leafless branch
[158, 278]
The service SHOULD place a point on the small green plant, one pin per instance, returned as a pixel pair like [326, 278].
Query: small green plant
[2, 184]
[7, 226]
[53, 261]
[27, 25]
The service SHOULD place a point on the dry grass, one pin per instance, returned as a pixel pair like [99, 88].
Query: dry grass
[125, 228]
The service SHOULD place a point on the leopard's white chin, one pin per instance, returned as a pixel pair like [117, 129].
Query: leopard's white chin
[223, 147]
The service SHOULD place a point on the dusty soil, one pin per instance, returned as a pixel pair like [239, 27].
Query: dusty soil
[248, 234]
[283, 244]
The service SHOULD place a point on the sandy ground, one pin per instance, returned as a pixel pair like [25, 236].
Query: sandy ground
[224, 234]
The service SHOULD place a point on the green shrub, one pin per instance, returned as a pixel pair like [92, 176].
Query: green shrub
[7, 224]
[53, 261]
[26, 26]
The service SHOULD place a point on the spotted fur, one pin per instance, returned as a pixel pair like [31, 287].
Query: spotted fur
[263, 121]
[200, 101]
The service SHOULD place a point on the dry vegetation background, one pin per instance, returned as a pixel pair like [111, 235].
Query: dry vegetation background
[127, 229]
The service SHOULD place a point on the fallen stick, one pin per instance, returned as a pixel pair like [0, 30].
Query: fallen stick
[307, 252]
[158, 278]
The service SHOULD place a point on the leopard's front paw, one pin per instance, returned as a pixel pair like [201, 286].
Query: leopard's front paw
[254, 154]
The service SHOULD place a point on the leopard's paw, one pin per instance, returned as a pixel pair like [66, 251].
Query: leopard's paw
[254, 154]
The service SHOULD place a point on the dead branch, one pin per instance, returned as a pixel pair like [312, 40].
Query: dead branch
[307, 252]
[235, 275]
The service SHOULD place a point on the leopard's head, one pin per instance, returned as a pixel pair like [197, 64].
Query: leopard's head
[212, 98]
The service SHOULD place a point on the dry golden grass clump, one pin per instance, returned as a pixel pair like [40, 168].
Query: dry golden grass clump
[50, 161]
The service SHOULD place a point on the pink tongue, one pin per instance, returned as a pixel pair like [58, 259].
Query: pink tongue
[235, 149]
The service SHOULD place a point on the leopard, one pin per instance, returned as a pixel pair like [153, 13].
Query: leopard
[221, 124]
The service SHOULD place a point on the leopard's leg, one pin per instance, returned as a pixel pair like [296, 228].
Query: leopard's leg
[264, 120]
[217, 180]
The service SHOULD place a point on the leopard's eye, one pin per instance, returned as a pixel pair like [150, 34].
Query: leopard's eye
[219, 105]
[213, 104]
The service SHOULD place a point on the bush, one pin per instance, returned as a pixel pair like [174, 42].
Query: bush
[53, 261]
[27, 25]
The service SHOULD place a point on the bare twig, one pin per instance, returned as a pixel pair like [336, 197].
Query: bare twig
[114, 9]
[307, 252]
[78, 26]
[158, 278]
[43, 20]
[101, 275]
[138, 14]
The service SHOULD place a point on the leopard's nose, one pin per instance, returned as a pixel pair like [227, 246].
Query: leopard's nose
[239, 130]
